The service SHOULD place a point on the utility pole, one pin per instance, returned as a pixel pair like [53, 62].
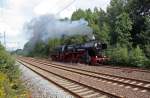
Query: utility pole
[5, 39]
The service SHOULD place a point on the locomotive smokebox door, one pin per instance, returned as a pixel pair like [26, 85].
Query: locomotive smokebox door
[104, 46]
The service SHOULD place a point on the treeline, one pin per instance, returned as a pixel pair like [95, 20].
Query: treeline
[124, 26]
[43, 49]
[126, 22]
[10, 84]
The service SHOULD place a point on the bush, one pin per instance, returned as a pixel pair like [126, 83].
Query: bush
[11, 89]
[123, 56]
[10, 84]
[137, 57]
[147, 51]
[118, 55]
[7, 64]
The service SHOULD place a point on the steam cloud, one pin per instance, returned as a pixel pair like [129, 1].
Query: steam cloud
[47, 26]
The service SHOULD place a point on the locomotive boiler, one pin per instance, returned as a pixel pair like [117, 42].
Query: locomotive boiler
[89, 53]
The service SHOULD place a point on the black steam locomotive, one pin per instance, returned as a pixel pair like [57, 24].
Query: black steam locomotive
[89, 53]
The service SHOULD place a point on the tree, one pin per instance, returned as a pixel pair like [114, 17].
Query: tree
[74, 39]
[78, 14]
[113, 11]
[96, 20]
[52, 43]
[103, 27]
[139, 10]
[123, 26]
[103, 33]
[40, 49]
[146, 34]
[147, 50]
[137, 57]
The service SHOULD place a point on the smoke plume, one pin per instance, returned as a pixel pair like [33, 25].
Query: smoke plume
[47, 26]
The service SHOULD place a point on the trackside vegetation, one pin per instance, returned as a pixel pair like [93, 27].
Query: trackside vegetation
[124, 26]
[134, 57]
[10, 84]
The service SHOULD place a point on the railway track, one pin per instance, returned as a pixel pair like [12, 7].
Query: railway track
[140, 84]
[135, 85]
[77, 89]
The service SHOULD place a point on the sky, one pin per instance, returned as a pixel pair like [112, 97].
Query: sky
[15, 13]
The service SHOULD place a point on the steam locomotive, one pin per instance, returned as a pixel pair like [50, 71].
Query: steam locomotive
[89, 53]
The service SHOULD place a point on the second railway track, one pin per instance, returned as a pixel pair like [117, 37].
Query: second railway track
[136, 85]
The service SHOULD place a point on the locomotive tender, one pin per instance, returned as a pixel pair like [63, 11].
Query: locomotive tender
[89, 53]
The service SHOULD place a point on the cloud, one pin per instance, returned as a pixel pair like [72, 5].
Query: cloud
[55, 6]
[15, 13]
[84, 4]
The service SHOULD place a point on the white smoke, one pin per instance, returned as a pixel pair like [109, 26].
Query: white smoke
[47, 26]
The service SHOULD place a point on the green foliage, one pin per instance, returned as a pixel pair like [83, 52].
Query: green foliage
[103, 33]
[118, 56]
[97, 21]
[78, 14]
[7, 63]
[10, 85]
[52, 43]
[145, 35]
[137, 57]
[123, 26]
[147, 50]
[119, 21]
[75, 39]
[139, 11]
[104, 27]
[40, 49]
[10, 89]
[123, 56]
[1, 48]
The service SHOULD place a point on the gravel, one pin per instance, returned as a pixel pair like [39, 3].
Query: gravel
[39, 87]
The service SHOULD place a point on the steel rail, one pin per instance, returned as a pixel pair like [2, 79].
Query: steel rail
[98, 77]
[95, 89]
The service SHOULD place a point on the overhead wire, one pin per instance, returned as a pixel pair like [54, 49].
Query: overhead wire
[65, 7]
